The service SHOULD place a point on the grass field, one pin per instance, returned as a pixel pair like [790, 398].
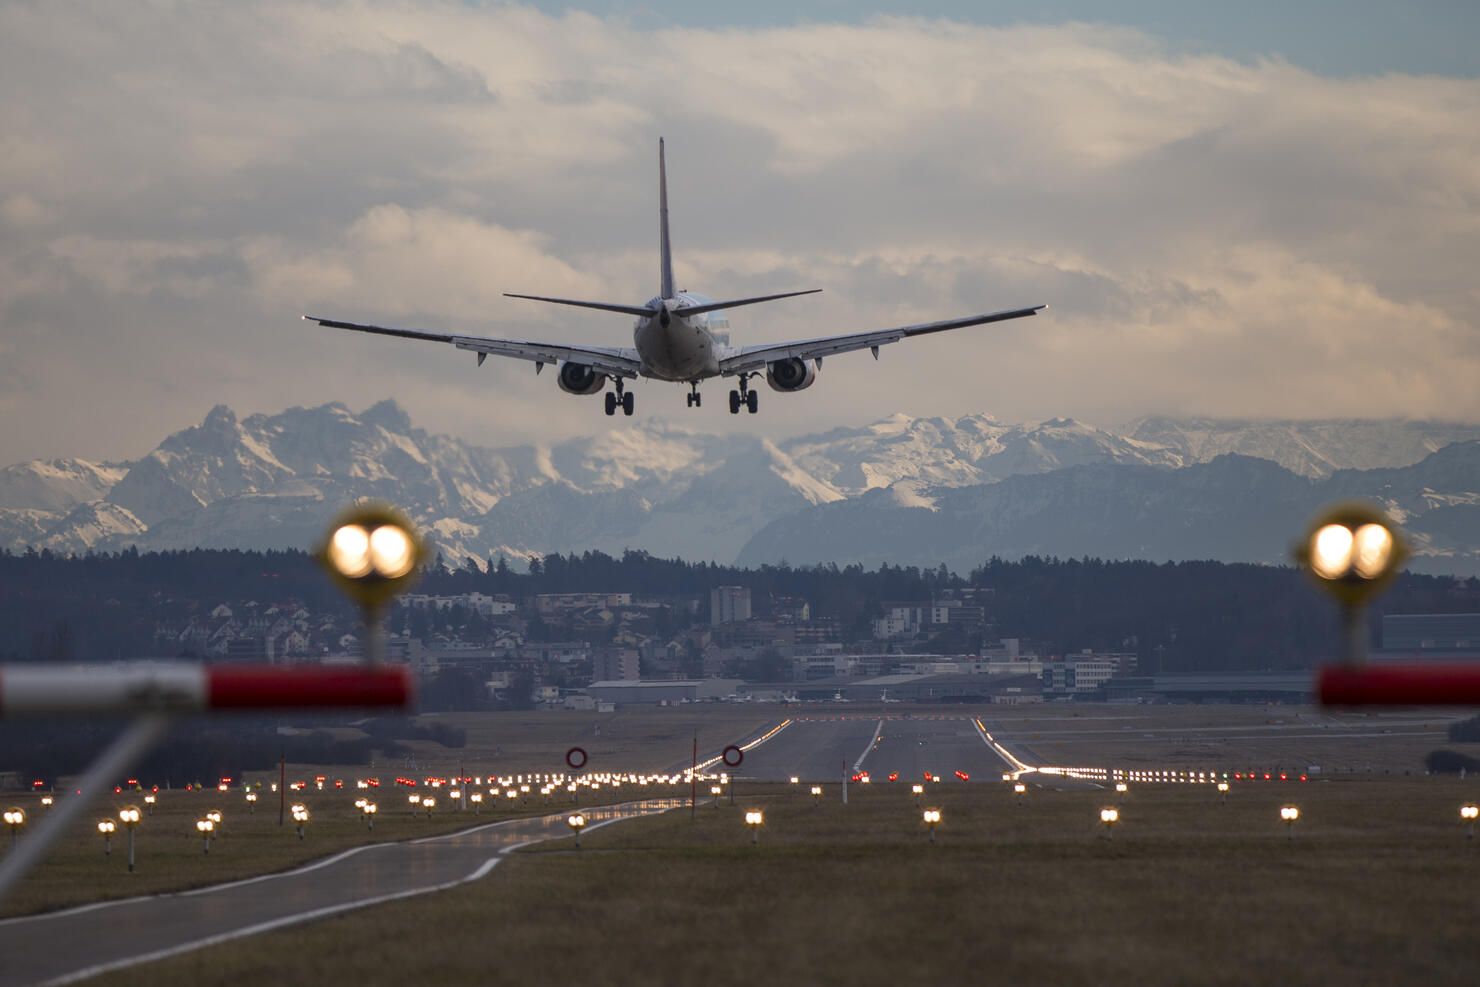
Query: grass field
[1377, 886]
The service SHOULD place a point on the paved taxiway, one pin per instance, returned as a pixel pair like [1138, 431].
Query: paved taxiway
[61, 946]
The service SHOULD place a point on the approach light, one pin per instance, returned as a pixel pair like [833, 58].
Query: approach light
[1289, 814]
[932, 820]
[754, 820]
[107, 827]
[1108, 818]
[1469, 813]
[576, 822]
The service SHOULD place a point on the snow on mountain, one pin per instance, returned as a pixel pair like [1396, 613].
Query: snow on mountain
[962, 451]
[274, 481]
[1310, 448]
[1234, 508]
[56, 484]
[88, 526]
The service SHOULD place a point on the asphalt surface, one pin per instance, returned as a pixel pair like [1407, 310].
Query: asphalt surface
[823, 748]
[63, 946]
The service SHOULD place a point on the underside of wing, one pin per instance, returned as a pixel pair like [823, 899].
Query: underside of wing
[614, 360]
[754, 358]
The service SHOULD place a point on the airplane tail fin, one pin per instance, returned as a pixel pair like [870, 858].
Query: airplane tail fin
[664, 244]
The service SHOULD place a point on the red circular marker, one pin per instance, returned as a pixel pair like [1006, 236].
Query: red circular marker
[733, 756]
[576, 758]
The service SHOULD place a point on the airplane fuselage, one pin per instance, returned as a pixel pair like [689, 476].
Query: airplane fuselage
[680, 347]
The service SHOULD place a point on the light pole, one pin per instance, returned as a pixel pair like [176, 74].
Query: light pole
[428, 803]
[932, 820]
[1468, 814]
[107, 827]
[1289, 814]
[129, 816]
[149, 801]
[204, 828]
[413, 800]
[755, 821]
[300, 817]
[15, 818]
[716, 791]
[1020, 789]
[1223, 792]
[477, 799]
[1109, 817]
[372, 551]
[917, 790]
[1120, 790]
[577, 823]
[1353, 552]
[816, 795]
[251, 803]
[369, 809]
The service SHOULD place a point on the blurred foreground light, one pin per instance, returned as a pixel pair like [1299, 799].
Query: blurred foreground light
[1353, 550]
[371, 552]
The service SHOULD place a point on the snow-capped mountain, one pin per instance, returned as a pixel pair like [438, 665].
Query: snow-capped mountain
[274, 481]
[1233, 509]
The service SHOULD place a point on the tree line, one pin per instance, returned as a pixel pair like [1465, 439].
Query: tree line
[1175, 616]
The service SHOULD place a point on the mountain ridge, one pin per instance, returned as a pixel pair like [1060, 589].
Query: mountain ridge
[275, 480]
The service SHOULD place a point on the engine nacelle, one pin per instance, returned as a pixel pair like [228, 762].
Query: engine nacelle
[790, 374]
[577, 378]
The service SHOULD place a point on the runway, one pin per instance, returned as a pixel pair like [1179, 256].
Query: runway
[827, 747]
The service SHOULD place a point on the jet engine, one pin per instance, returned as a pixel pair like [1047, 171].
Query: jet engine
[577, 378]
[790, 374]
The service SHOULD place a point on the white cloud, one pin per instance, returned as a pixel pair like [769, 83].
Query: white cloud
[1214, 237]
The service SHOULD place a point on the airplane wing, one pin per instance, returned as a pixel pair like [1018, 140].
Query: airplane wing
[754, 358]
[619, 361]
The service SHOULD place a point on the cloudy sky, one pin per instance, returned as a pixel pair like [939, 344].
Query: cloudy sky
[1251, 213]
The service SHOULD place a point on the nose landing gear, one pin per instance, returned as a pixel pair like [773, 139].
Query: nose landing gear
[744, 396]
[694, 397]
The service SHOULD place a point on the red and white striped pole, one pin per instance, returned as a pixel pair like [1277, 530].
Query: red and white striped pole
[149, 692]
[179, 687]
[1400, 683]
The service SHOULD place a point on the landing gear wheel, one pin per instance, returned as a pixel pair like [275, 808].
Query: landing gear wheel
[694, 396]
[611, 403]
[752, 402]
[734, 402]
[627, 404]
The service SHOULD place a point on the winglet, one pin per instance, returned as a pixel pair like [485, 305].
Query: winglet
[666, 289]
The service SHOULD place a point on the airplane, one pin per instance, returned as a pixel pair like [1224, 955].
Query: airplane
[681, 337]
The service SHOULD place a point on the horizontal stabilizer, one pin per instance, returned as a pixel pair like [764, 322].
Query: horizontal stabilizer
[736, 303]
[603, 306]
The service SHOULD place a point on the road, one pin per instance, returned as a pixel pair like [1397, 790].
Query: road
[81, 942]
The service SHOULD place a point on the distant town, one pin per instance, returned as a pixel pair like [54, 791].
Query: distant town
[664, 631]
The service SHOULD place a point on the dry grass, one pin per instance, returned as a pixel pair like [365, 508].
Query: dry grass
[1376, 887]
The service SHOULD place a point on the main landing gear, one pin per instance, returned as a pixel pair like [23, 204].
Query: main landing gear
[744, 396]
[619, 397]
[695, 398]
